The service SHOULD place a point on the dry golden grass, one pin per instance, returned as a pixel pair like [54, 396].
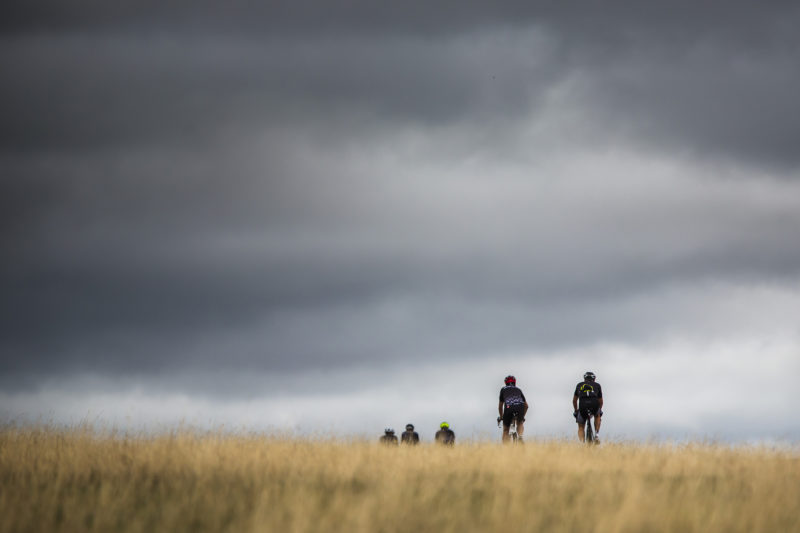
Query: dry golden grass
[74, 480]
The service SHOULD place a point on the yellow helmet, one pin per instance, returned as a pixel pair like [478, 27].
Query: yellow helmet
[444, 425]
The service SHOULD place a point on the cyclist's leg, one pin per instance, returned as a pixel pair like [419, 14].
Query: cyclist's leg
[507, 417]
[581, 422]
[518, 420]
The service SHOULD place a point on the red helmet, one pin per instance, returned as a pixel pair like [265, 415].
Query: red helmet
[510, 380]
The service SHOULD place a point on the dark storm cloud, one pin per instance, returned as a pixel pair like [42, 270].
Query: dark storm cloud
[716, 78]
[116, 281]
[186, 91]
[188, 187]
[744, 19]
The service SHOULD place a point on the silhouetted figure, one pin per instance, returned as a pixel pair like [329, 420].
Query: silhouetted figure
[588, 400]
[388, 438]
[445, 435]
[409, 436]
[513, 405]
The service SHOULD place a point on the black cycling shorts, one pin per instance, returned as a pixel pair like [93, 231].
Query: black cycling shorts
[590, 405]
[508, 414]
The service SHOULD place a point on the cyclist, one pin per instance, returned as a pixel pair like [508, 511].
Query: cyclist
[588, 398]
[445, 435]
[388, 437]
[512, 402]
[409, 436]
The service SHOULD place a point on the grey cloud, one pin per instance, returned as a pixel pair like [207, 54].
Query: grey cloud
[676, 18]
[309, 185]
[122, 282]
[709, 100]
[186, 91]
[716, 79]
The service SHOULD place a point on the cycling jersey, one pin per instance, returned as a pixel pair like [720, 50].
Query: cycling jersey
[388, 439]
[446, 436]
[409, 437]
[589, 394]
[588, 390]
[511, 396]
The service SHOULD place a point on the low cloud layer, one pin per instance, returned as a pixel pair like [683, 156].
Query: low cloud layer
[671, 391]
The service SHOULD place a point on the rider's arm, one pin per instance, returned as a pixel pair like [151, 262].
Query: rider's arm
[575, 403]
[526, 409]
[500, 409]
[600, 400]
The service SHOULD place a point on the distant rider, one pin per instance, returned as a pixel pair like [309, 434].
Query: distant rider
[388, 437]
[588, 398]
[445, 435]
[409, 436]
[512, 402]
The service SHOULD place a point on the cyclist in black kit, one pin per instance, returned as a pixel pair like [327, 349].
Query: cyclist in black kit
[588, 398]
[388, 438]
[445, 435]
[409, 436]
[512, 402]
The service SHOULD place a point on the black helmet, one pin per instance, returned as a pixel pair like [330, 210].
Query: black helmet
[589, 375]
[389, 431]
[409, 427]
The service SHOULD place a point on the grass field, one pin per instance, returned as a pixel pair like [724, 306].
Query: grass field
[74, 480]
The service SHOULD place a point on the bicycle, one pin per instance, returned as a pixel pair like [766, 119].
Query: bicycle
[589, 430]
[512, 429]
[589, 434]
[591, 438]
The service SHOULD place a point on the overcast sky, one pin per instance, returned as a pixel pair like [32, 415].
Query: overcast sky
[350, 215]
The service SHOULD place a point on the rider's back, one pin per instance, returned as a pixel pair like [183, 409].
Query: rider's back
[446, 436]
[388, 440]
[409, 437]
[588, 393]
[512, 396]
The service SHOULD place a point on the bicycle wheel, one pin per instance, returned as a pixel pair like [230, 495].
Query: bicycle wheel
[589, 432]
[513, 429]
